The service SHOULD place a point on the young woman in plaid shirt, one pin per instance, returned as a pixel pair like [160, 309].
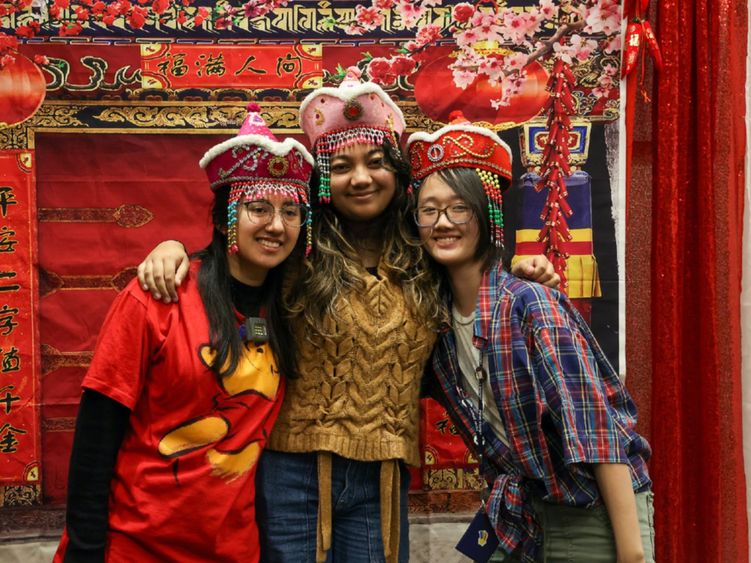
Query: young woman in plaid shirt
[566, 470]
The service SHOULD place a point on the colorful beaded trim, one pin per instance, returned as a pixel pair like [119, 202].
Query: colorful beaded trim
[491, 183]
[261, 189]
[335, 140]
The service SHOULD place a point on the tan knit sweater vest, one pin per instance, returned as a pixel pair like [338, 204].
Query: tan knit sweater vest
[358, 392]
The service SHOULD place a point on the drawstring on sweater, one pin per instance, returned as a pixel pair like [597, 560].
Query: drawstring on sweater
[390, 501]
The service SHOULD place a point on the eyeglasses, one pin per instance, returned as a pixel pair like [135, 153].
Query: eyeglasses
[262, 213]
[458, 214]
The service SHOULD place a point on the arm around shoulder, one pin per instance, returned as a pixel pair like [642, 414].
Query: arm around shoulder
[164, 269]
[537, 269]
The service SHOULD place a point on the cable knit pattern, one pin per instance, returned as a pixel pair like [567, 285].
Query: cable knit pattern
[359, 390]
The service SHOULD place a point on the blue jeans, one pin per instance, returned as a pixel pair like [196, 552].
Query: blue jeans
[287, 509]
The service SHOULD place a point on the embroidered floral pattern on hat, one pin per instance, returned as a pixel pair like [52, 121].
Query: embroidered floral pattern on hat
[352, 110]
[278, 166]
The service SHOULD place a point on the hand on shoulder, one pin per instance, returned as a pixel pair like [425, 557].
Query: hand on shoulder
[163, 270]
[537, 269]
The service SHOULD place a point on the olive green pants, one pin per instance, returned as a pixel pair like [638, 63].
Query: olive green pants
[584, 535]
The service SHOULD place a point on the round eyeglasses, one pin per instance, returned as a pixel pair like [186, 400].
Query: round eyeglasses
[458, 214]
[262, 213]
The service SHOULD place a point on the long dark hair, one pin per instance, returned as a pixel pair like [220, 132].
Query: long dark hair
[333, 268]
[214, 287]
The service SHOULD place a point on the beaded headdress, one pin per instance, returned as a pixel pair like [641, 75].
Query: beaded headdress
[462, 145]
[355, 112]
[256, 164]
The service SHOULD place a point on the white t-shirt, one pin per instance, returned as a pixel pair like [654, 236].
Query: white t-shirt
[469, 359]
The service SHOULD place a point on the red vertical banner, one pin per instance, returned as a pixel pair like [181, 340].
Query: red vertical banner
[19, 360]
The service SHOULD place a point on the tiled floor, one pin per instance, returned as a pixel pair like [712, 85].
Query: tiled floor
[432, 540]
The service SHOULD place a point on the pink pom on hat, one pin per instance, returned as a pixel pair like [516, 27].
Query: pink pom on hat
[254, 123]
[255, 164]
[355, 112]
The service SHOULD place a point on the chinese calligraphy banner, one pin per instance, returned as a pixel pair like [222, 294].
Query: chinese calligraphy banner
[19, 374]
[191, 66]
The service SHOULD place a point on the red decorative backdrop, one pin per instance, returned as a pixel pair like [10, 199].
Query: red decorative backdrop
[98, 216]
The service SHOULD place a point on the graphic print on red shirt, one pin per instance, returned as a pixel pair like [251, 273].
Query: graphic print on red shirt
[183, 486]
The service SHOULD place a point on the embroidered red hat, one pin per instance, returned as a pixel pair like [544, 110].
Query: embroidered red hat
[255, 164]
[463, 145]
[256, 156]
[459, 145]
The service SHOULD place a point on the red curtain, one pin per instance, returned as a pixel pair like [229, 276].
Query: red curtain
[698, 169]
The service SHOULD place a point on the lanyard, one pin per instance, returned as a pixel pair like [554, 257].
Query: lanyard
[477, 417]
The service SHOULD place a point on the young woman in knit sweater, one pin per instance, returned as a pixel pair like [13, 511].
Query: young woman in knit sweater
[523, 378]
[365, 309]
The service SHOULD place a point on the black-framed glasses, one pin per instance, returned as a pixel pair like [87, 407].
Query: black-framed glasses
[262, 213]
[458, 214]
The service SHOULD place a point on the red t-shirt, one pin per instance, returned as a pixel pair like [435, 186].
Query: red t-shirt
[183, 485]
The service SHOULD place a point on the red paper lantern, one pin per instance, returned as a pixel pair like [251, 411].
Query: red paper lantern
[22, 90]
[437, 96]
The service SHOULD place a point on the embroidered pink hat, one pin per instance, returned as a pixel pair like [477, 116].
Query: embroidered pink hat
[355, 112]
[463, 145]
[255, 164]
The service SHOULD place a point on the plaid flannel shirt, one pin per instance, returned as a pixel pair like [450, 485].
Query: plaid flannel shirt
[562, 404]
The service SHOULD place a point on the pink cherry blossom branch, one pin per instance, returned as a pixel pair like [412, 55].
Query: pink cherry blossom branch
[547, 45]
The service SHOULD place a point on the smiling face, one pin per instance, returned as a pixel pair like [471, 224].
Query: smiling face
[262, 245]
[362, 182]
[453, 246]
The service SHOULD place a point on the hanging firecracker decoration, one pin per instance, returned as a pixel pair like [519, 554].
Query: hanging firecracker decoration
[638, 32]
[555, 167]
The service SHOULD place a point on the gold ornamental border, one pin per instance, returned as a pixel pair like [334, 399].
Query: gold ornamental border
[183, 117]
[178, 117]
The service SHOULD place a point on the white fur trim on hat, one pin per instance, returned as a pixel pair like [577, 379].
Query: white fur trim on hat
[274, 147]
[346, 94]
[433, 137]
